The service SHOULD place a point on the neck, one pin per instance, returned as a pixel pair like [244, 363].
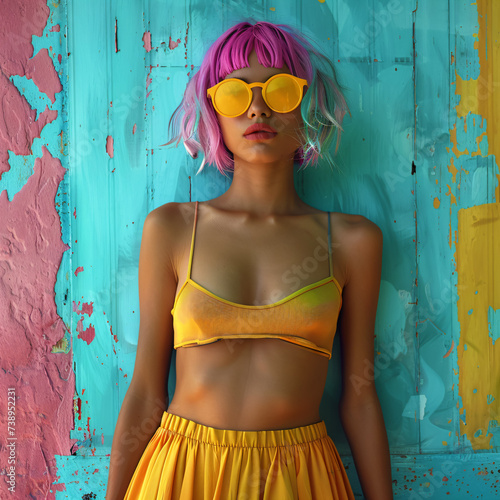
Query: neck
[263, 190]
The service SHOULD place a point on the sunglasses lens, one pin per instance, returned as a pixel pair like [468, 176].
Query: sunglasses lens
[231, 98]
[283, 94]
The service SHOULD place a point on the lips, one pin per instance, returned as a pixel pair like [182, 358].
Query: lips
[260, 136]
[259, 128]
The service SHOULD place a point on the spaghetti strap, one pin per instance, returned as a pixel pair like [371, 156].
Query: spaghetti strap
[330, 245]
[192, 241]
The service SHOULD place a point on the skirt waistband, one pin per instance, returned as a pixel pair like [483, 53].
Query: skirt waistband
[243, 439]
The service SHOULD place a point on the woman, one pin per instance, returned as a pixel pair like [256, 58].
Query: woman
[248, 288]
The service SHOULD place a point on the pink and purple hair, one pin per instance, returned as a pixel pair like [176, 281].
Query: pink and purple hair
[323, 106]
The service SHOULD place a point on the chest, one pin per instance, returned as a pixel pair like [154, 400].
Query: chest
[258, 264]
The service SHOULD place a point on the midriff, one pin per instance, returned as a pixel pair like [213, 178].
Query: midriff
[249, 384]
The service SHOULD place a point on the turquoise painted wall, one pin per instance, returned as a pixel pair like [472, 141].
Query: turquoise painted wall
[398, 60]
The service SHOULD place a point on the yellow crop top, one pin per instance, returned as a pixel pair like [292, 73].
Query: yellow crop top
[307, 317]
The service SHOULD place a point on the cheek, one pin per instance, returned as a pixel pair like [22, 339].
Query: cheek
[225, 128]
[230, 136]
[291, 125]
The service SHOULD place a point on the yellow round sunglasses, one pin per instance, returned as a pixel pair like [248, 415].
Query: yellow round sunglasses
[232, 97]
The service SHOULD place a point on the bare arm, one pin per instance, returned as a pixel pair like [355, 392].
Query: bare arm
[146, 398]
[360, 410]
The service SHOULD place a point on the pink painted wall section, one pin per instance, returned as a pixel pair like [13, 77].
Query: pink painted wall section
[35, 347]
[19, 124]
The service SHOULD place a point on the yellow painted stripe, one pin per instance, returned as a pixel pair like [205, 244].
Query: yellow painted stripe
[478, 245]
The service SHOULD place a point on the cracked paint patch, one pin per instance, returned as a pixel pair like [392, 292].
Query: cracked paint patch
[19, 124]
[34, 341]
[30, 254]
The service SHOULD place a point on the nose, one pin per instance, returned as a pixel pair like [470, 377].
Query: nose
[258, 106]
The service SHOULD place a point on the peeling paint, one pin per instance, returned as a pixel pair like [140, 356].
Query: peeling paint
[146, 38]
[493, 324]
[109, 146]
[34, 340]
[477, 246]
[173, 44]
[30, 327]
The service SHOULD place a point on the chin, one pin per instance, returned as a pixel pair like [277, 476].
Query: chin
[264, 153]
[265, 159]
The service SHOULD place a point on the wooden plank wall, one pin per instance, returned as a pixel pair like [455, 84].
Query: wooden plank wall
[419, 157]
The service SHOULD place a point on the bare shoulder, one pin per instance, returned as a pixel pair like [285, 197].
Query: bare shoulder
[359, 246]
[353, 229]
[168, 228]
[172, 216]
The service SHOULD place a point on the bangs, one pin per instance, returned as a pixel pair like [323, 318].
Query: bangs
[274, 48]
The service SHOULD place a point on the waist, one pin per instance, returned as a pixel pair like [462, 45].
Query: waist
[240, 438]
[258, 384]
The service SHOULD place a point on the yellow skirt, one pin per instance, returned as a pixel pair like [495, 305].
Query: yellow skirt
[186, 460]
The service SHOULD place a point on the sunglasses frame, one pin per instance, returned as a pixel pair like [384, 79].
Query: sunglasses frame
[249, 86]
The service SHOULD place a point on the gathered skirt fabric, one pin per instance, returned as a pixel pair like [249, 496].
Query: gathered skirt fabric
[187, 460]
